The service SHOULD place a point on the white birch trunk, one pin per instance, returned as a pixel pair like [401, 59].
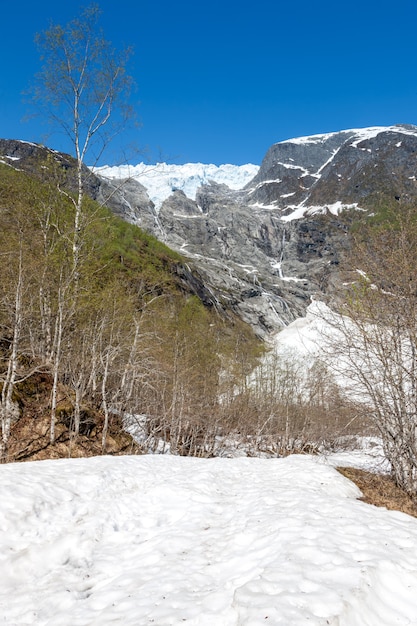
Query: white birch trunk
[7, 407]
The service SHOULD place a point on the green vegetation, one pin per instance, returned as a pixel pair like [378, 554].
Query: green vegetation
[96, 319]
[122, 336]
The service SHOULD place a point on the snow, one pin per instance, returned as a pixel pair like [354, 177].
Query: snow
[299, 211]
[290, 166]
[162, 179]
[274, 181]
[352, 358]
[264, 207]
[322, 138]
[167, 540]
[358, 134]
[369, 133]
[329, 160]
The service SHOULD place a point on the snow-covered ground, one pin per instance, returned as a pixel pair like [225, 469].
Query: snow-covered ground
[166, 540]
[304, 336]
[162, 179]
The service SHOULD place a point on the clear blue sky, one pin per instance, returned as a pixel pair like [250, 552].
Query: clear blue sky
[221, 81]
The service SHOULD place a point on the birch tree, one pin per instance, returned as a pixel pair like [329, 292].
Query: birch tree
[85, 89]
[7, 408]
[19, 320]
[373, 338]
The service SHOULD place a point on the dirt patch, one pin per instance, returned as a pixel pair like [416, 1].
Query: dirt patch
[29, 437]
[380, 490]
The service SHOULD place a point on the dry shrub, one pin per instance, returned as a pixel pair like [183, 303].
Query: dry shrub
[288, 408]
[380, 490]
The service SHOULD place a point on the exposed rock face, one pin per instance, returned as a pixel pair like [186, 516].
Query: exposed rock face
[291, 168]
[266, 249]
[270, 247]
[348, 167]
[253, 261]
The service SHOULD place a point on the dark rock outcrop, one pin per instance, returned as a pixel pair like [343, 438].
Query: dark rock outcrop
[347, 167]
[267, 249]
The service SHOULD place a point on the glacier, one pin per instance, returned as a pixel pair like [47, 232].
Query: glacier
[162, 179]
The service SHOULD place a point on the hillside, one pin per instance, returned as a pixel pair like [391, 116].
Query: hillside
[137, 329]
[124, 332]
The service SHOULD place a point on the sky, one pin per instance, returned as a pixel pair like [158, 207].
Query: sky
[220, 82]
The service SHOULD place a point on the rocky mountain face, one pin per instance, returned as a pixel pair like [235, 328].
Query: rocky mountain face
[323, 172]
[266, 249]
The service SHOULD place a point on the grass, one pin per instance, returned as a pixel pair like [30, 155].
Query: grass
[380, 490]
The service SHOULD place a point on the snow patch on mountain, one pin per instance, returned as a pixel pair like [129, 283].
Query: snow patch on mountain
[301, 211]
[359, 134]
[162, 179]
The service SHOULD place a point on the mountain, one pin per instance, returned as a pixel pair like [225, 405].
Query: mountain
[267, 248]
[131, 318]
[162, 179]
[327, 172]
[265, 240]
[130, 325]
[125, 330]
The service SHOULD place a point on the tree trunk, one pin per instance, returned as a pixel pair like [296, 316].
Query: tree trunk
[7, 407]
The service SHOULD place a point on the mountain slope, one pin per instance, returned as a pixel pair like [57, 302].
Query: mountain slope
[268, 247]
[308, 174]
[132, 328]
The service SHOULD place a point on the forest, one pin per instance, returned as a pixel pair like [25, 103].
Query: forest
[83, 346]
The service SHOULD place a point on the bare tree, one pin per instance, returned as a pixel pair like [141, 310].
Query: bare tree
[7, 408]
[373, 339]
[84, 87]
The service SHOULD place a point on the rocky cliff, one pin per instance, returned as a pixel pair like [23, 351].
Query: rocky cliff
[323, 172]
[267, 249]
[270, 247]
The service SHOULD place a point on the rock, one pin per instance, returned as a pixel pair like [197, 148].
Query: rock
[267, 249]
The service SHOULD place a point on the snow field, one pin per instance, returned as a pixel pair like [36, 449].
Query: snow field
[167, 540]
[162, 179]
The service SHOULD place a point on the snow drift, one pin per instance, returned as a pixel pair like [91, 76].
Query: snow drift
[224, 542]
